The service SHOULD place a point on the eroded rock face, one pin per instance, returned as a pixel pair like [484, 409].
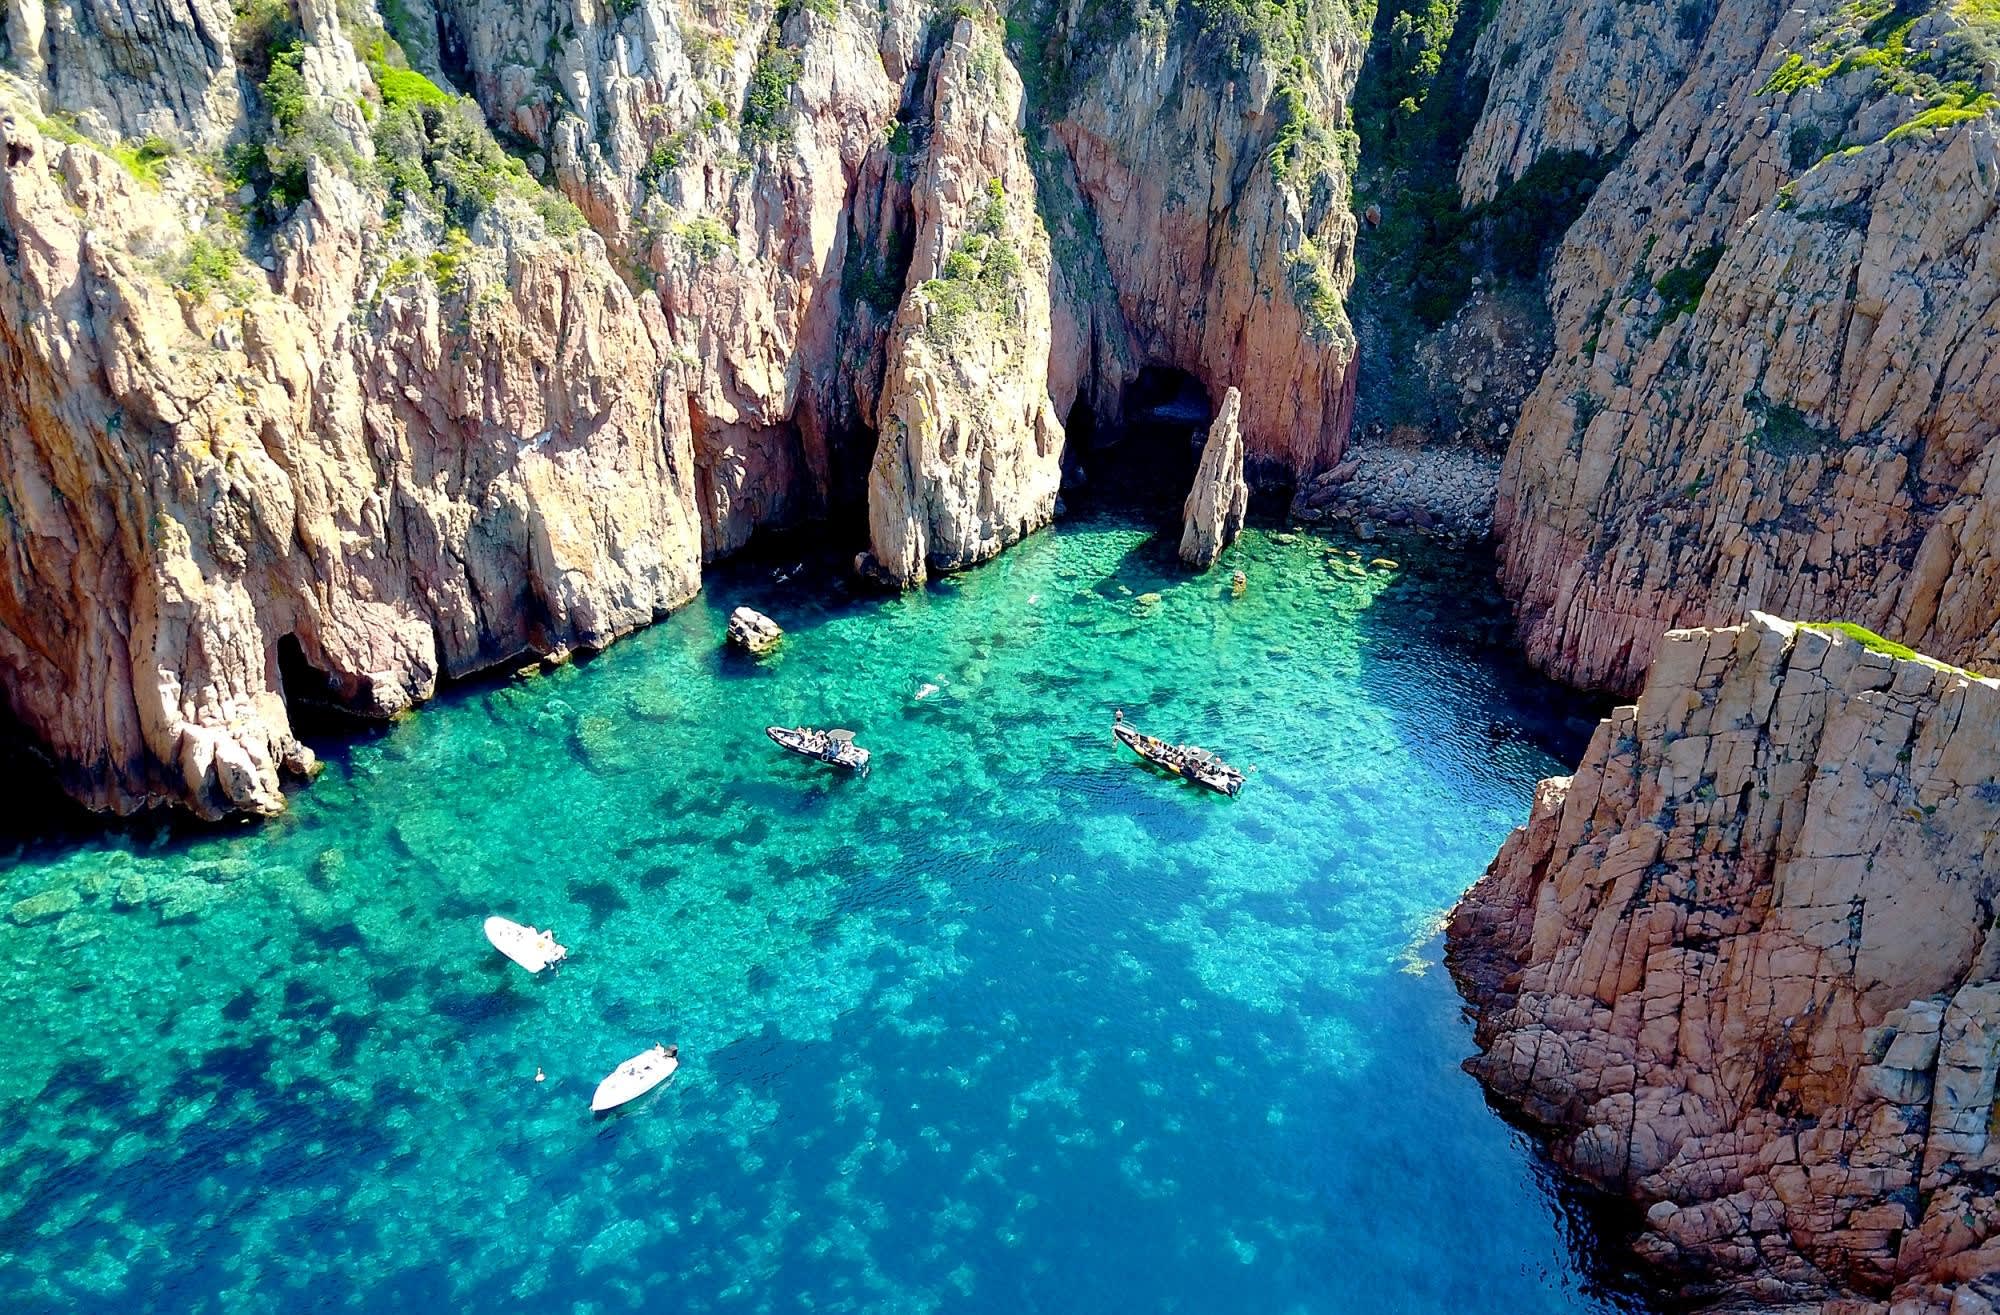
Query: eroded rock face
[132, 68]
[1741, 966]
[1573, 77]
[400, 481]
[1229, 257]
[367, 401]
[1774, 328]
[1213, 514]
[969, 457]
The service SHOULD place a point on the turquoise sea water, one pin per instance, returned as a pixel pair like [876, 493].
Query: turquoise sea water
[1010, 1024]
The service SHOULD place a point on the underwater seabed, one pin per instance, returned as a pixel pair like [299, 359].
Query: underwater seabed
[1008, 1024]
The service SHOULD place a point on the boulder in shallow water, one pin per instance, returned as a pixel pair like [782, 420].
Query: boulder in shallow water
[43, 907]
[1216, 504]
[753, 632]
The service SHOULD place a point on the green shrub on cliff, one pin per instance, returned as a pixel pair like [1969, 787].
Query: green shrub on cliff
[301, 131]
[143, 159]
[767, 106]
[1681, 288]
[404, 88]
[433, 147]
[1865, 637]
[1785, 431]
[706, 238]
[1430, 249]
[208, 267]
[1316, 293]
[1956, 109]
[1949, 75]
[437, 150]
[1875, 643]
[981, 276]
[1410, 55]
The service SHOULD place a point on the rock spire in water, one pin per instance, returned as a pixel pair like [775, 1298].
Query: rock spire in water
[1213, 514]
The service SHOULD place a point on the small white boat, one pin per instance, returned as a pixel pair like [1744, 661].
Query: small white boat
[635, 1077]
[533, 950]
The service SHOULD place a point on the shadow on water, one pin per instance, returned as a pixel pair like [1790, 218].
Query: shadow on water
[1599, 1229]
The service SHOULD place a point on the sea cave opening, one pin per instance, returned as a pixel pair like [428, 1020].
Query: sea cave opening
[1146, 452]
[317, 702]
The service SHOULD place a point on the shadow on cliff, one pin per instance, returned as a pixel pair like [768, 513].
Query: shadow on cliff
[1599, 1229]
[1142, 462]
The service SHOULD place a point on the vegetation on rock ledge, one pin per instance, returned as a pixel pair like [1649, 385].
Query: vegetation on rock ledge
[1948, 76]
[1875, 643]
[981, 277]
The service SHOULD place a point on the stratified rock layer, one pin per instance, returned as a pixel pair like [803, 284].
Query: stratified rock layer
[1741, 966]
[1213, 514]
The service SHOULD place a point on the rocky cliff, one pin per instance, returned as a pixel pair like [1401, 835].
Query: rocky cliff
[969, 454]
[1773, 322]
[1742, 968]
[349, 347]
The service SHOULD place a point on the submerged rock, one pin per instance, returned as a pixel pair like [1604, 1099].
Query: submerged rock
[1213, 514]
[1742, 968]
[44, 907]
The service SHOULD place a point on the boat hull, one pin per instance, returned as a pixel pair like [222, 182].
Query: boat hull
[819, 746]
[633, 1079]
[524, 945]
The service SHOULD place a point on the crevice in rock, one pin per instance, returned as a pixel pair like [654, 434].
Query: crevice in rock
[451, 52]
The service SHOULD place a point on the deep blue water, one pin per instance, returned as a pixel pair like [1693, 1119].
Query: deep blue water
[1008, 1025]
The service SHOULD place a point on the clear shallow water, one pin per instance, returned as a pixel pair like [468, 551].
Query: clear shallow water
[1010, 1024]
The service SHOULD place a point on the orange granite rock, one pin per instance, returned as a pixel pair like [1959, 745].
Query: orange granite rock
[1741, 967]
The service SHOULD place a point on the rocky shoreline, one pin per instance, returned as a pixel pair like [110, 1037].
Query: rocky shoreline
[1442, 493]
[1741, 969]
[349, 348]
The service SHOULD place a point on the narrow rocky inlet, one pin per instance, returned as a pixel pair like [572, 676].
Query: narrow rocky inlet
[1357, 392]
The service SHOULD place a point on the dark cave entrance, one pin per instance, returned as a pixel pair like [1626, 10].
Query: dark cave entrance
[317, 702]
[1145, 456]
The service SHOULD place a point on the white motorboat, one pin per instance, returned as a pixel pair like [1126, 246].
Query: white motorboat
[533, 950]
[635, 1077]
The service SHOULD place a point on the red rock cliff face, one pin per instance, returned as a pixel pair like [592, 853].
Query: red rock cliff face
[1225, 260]
[187, 485]
[1742, 967]
[371, 401]
[1775, 325]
